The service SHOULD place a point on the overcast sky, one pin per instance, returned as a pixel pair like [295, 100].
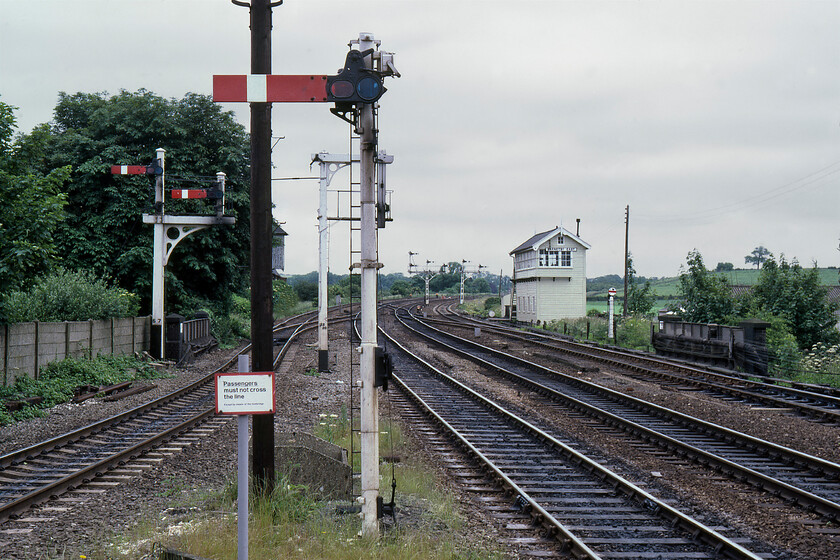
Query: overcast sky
[718, 123]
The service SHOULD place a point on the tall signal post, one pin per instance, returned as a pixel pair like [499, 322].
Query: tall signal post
[426, 273]
[354, 90]
[329, 165]
[464, 272]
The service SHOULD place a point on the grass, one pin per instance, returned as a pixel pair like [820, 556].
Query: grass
[294, 525]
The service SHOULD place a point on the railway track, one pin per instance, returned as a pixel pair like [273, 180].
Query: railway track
[587, 509]
[107, 452]
[814, 401]
[807, 481]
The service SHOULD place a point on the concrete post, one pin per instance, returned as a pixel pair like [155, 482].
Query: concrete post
[369, 398]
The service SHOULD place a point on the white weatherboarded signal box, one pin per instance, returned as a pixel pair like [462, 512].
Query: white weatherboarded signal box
[245, 393]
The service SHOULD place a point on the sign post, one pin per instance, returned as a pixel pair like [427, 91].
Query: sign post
[243, 394]
[610, 328]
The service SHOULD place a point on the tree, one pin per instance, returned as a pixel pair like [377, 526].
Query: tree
[787, 290]
[31, 211]
[705, 298]
[103, 230]
[449, 278]
[640, 297]
[724, 267]
[477, 285]
[758, 256]
[401, 288]
[306, 291]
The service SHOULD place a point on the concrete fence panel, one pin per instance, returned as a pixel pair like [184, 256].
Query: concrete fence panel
[78, 338]
[27, 347]
[20, 358]
[52, 342]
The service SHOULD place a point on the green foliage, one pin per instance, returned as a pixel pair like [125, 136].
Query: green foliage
[822, 359]
[103, 230]
[58, 380]
[31, 210]
[285, 298]
[788, 291]
[492, 302]
[8, 125]
[784, 358]
[347, 284]
[68, 296]
[640, 297]
[231, 326]
[306, 291]
[477, 285]
[402, 288]
[288, 503]
[724, 267]
[705, 297]
[633, 332]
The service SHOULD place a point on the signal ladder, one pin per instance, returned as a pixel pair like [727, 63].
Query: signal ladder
[355, 221]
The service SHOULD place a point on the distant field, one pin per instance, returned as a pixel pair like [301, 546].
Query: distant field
[603, 306]
[665, 287]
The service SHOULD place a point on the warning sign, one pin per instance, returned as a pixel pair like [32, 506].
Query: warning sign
[245, 393]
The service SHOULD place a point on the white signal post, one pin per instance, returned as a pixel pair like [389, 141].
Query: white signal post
[369, 414]
[464, 273]
[330, 164]
[426, 273]
[169, 230]
[610, 329]
[313, 89]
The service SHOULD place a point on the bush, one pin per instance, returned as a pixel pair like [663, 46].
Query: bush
[285, 298]
[69, 296]
[229, 328]
[492, 302]
[633, 332]
[822, 359]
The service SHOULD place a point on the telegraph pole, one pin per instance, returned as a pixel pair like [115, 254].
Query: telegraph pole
[626, 254]
[262, 320]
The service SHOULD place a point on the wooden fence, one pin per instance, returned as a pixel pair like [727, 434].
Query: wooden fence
[27, 347]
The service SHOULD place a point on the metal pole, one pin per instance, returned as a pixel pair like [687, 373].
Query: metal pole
[626, 255]
[323, 271]
[242, 474]
[428, 280]
[369, 397]
[261, 222]
[158, 347]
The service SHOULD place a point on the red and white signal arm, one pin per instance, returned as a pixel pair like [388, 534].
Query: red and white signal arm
[612, 291]
[244, 393]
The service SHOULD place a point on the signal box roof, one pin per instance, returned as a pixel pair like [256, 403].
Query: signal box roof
[535, 241]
